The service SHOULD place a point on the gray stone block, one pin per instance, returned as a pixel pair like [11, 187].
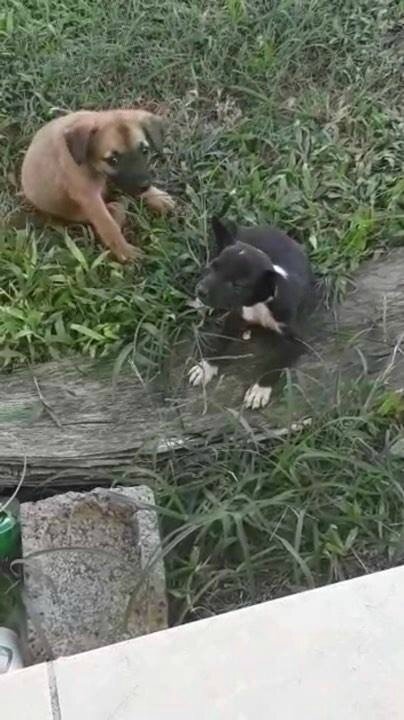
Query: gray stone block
[94, 574]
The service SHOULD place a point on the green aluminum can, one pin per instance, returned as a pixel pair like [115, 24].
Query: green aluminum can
[10, 536]
[11, 610]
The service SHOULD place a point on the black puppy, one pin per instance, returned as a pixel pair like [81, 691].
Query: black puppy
[263, 279]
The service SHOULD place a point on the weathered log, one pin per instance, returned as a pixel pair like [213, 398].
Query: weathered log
[70, 424]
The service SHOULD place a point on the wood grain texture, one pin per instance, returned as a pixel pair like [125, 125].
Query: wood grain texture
[76, 427]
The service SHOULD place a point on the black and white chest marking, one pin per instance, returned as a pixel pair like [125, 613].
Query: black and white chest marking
[260, 313]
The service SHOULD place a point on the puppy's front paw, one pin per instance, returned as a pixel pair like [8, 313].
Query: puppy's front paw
[158, 200]
[128, 253]
[202, 373]
[257, 396]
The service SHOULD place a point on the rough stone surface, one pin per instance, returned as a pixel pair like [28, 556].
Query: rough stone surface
[93, 570]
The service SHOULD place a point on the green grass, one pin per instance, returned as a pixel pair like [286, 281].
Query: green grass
[290, 110]
[292, 113]
[243, 525]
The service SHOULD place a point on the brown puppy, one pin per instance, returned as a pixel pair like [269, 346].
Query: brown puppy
[69, 161]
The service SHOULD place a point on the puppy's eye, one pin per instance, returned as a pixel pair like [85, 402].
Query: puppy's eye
[112, 159]
[144, 149]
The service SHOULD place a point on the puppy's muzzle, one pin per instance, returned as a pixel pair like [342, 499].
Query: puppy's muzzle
[215, 295]
[132, 174]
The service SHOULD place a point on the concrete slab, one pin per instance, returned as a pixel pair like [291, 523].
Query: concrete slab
[25, 694]
[93, 572]
[336, 652]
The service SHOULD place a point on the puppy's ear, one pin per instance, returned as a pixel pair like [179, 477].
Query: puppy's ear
[153, 126]
[225, 233]
[78, 139]
[265, 287]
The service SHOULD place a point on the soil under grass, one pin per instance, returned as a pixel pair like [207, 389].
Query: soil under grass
[289, 112]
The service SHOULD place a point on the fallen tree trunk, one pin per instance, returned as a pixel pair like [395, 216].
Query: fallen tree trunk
[68, 424]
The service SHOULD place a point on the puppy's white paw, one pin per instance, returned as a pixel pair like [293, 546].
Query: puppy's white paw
[202, 373]
[196, 304]
[257, 396]
[158, 200]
